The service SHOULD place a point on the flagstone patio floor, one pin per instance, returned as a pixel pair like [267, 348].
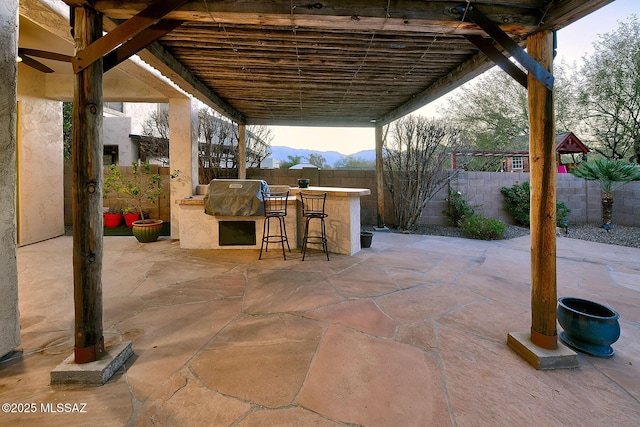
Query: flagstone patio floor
[410, 332]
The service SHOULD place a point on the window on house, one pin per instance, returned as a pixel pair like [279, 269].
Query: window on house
[110, 155]
[117, 106]
[517, 163]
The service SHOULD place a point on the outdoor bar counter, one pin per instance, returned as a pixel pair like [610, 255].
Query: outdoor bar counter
[201, 231]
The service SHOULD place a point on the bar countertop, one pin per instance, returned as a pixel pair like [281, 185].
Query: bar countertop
[331, 192]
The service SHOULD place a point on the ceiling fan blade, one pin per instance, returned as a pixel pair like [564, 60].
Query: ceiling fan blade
[35, 64]
[44, 54]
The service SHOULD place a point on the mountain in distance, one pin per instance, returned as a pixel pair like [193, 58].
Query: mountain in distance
[368, 155]
[282, 153]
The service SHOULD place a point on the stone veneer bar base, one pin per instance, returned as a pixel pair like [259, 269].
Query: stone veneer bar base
[93, 373]
[541, 358]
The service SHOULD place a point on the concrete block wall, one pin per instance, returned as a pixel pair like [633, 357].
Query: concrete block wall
[161, 209]
[480, 188]
[356, 178]
[626, 209]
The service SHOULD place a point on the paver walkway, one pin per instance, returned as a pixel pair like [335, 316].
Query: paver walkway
[411, 332]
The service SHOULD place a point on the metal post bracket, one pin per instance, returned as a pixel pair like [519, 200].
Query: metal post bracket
[502, 38]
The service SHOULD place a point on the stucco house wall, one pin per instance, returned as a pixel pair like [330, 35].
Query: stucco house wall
[139, 112]
[116, 132]
[9, 314]
[40, 161]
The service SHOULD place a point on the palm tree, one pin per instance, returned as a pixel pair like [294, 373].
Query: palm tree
[612, 174]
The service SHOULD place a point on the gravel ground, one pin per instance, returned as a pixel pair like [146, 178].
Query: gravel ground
[618, 235]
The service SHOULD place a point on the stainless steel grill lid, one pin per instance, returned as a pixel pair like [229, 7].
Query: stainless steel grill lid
[235, 197]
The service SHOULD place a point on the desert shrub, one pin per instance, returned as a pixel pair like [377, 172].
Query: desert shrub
[480, 227]
[517, 200]
[561, 213]
[458, 208]
[416, 158]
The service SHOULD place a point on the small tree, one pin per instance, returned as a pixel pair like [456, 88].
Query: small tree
[610, 91]
[218, 143]
[493, 115]
[611, 174]
[292, 160]
[219, 138]
[414, 162]
[155, 137]
[141, 186]
[318, 160]
[355, 163]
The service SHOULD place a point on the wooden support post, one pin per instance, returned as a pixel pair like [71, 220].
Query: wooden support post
[87, 194]
[379, 177]
[543, 198]
[242, 152]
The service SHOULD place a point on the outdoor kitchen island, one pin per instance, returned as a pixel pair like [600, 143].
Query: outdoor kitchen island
[199, 230]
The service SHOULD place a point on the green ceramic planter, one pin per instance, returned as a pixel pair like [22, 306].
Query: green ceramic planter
[147, 230]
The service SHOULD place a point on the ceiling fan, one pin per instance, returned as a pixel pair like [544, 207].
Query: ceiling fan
[26, 55]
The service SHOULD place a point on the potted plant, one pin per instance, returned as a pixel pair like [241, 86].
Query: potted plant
[113, 217]
[141, 186]
[130, 215]
[365, 239]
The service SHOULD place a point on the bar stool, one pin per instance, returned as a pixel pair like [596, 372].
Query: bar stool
[275, 206]
[313, 208]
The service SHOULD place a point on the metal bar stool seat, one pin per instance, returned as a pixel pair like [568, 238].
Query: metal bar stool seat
[275, 207]
[313, 208]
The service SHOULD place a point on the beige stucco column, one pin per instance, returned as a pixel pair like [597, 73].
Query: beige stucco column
[183, 154]
[9, 316]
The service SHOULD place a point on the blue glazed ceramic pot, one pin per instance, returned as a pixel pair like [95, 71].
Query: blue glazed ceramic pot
[589, 327]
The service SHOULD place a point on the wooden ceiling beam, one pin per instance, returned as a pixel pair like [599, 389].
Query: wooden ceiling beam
[123, 33]
[463, 73]
[139, 42]
[563, 13]
[156, 56]
[402, 15]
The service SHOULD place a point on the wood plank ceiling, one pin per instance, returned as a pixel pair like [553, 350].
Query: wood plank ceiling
[332, 62]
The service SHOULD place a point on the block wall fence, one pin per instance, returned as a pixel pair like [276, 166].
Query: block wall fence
[479, 188]
[161, 209]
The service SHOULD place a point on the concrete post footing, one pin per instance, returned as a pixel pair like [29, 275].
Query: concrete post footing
[541, 358]
[92, 373]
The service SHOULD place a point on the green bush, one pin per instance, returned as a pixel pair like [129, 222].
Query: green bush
[561, 213]
[517, 200]
[480, 227]
[458, 209]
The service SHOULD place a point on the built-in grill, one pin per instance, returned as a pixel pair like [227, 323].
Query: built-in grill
[239, 198]
[235, 197]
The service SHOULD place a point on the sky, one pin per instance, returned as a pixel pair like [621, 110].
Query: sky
[574, 41]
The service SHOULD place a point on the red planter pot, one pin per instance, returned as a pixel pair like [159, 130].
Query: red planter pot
[130, 217]
[112, 220]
